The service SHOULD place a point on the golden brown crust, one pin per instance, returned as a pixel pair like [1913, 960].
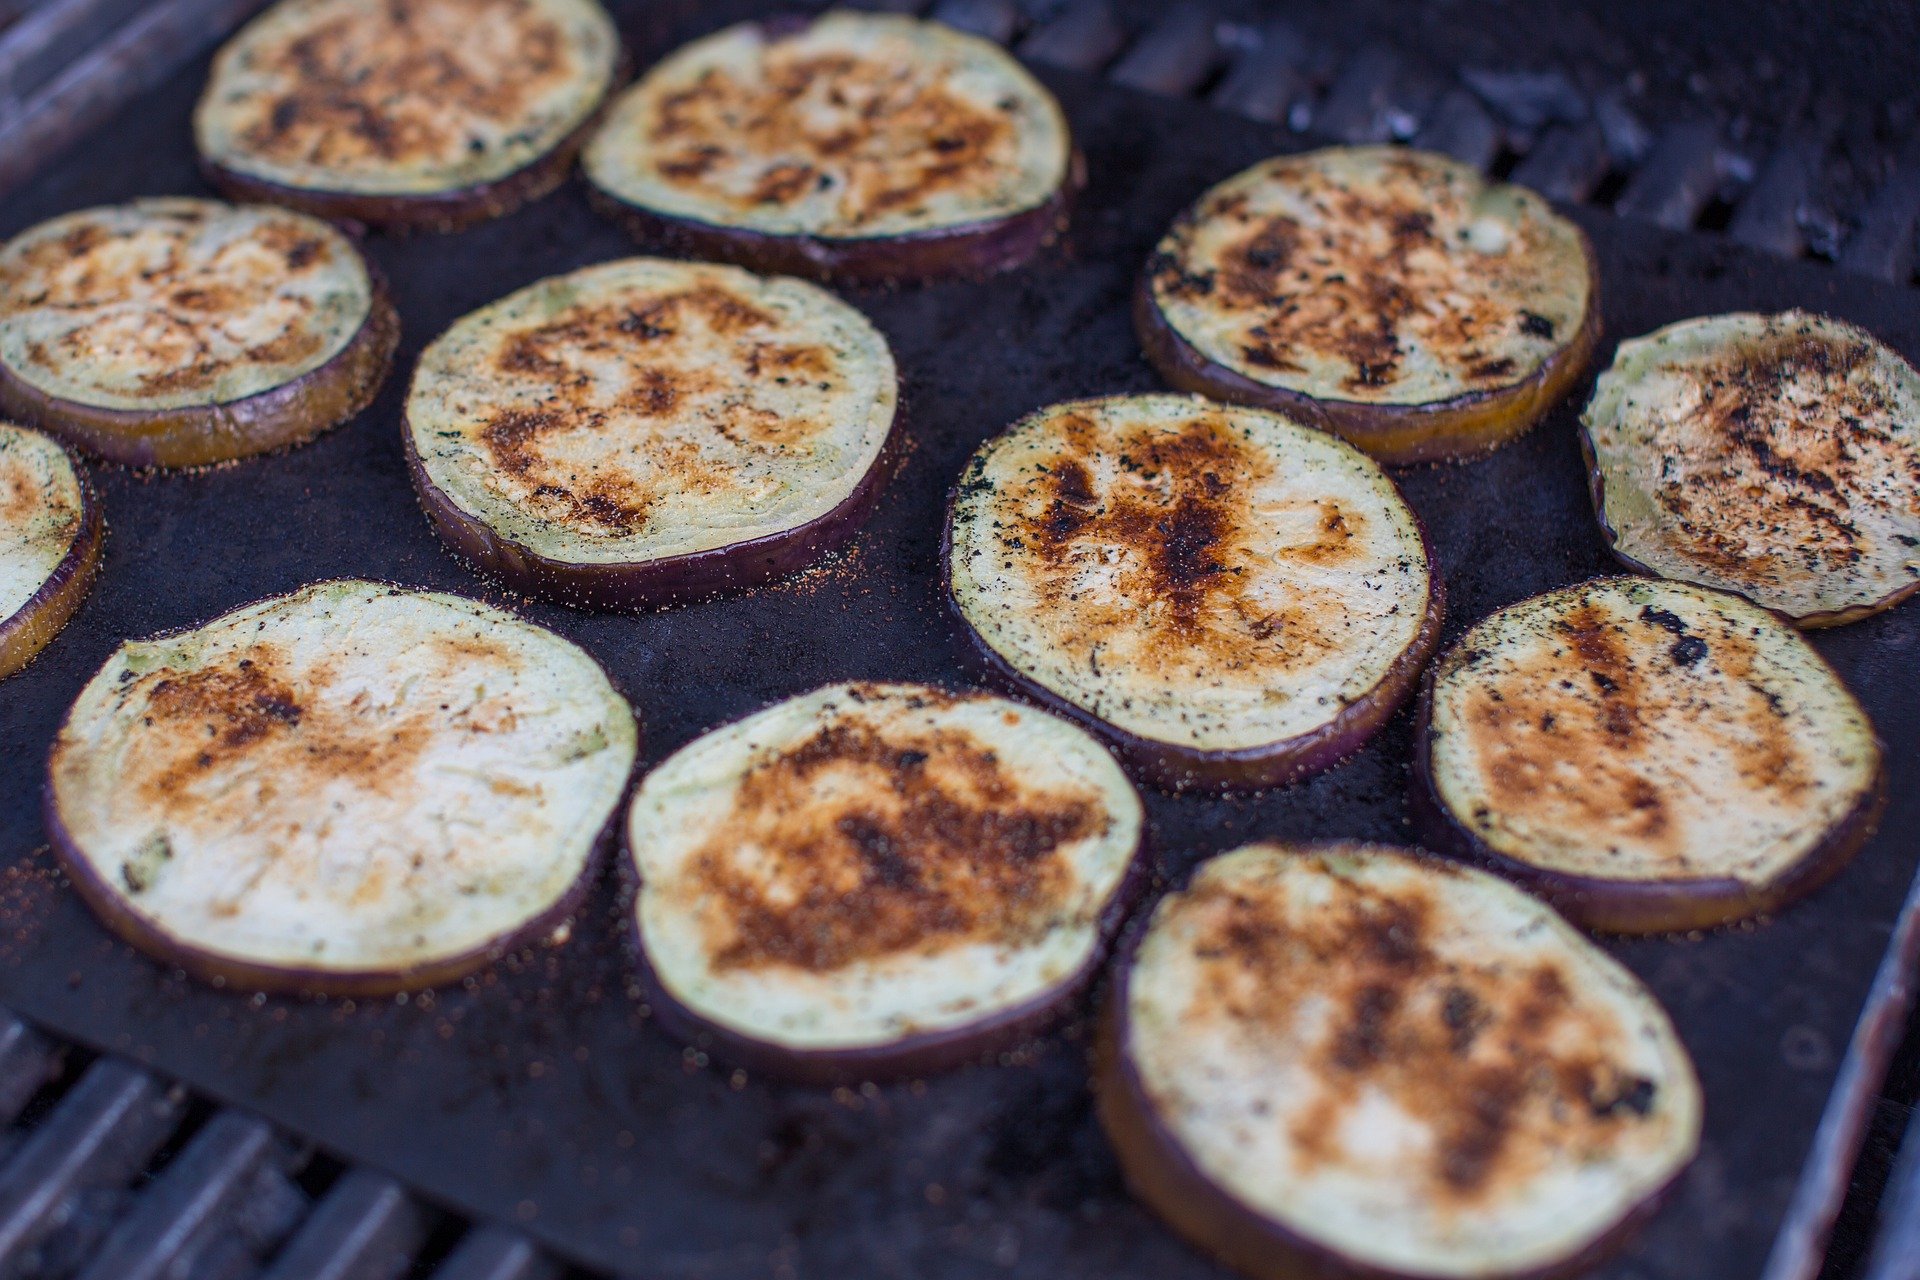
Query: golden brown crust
[1774, 456]
[415, 114]
[1449, 430]
[888, 843]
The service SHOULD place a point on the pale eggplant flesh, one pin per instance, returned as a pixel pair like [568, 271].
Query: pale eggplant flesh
[873, 881]
[1649, 756]
[647, 430]
[353, 789]
[1777, 456]
[410, 114]
[856, 147]
[1390, 296]
[179, 332]
[50, 535]
[1357, 1061]
[1230, 598]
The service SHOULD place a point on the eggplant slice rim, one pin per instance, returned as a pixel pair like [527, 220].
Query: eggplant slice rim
[33, 626]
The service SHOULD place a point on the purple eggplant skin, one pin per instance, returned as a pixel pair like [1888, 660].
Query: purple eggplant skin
[652, 584]
[205, 435]
[231, 973]
[970, 252]
[34, 625]
[1161, 1175]
[442, 211]
[240, 975]
[1597, 490]
[1637, 907]
[911, 1058]
[1445, 430]
[1170, 767]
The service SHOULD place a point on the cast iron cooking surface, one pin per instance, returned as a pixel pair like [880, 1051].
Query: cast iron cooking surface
[541, 1094]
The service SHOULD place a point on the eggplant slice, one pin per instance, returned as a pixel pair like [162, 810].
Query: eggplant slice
[644, 430]
[351, 789]
[50, 533]
[1390, 296]
[176, 332]
[1773, 455]
[1234, 600]
[412, 114]
[1648, 755]
[856, 147]
[879, 880]
[1355, 1061]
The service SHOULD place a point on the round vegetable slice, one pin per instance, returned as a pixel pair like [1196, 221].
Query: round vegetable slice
[1777, 456]
[50, 533]
[648, 430]
[352, 789]
[1348, 1060]
[414, 114]
[177, 333]
[1390, 296]
[1232, 599]
[852, 146]
[879, 880]
[1648, 755]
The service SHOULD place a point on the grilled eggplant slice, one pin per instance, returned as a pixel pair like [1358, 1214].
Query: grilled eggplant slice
[879, 880]
[426, 115]
[1647, 755]
[351, 789]
[180, 333]
[50, 532]
[1773, 455]
[1355, 1061]
[1232, 599]
[855, 147]
[1389, 296]
[647, 430]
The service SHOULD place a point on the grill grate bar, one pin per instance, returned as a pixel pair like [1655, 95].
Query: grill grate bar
[996, 20]
[27, 1061]
[1769, 218]
[366, 1228]
[1085, 37]
[494, 1253]
[1361, 103]
[191, 1200]
[1460, 127]
[1567, 163]
[1883, 246]
[97, 1137]
[1681, 174]
[1266, 80]
[1175, 56]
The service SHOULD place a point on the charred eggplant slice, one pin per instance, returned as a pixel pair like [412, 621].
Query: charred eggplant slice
[879, 880]
[1356, 1061]
[1389, 296]
[50, 533]
[351, 789]
[1234, 600]
[1647, 755]
[426, 115]
[645, 430]
[1773, 455]
[178, 333]
[855, 147]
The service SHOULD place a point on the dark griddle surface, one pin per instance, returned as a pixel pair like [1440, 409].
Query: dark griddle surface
[541, 1095]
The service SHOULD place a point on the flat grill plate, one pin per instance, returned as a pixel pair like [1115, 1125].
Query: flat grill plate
[542, 1096]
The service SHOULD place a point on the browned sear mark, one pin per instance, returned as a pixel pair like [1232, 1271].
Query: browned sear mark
[881, 137]
[1179, 515]
[1505, 1065]
[400, 81]
[884, 843]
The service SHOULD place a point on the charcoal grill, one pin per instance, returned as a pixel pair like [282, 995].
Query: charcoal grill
[111, 1169]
